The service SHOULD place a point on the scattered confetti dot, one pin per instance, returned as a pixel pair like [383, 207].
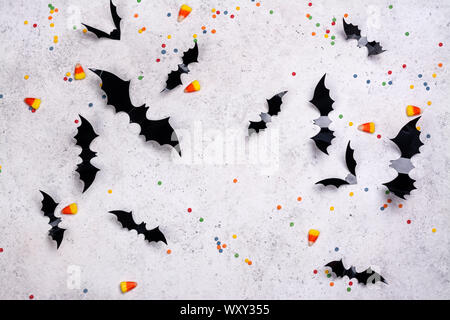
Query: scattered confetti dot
[341, 116]
[85, 290]
[368, 81]
[236, 255]
[408, 221]
[404, 66]
[440, 44]
[400, 206]
[109, 191]
[336, 249]
[331, 284]
[349, 289]
[411, 86]
[351, 194]
[378, 136]
[315, 271]
[169, 251]
[201, 220]
[291, 224]
[429, 103]
[293, 74]
[331, 208]
[235, 181]
[234, 236]
[189, 210]
[406, 33]
[350, 283]
[278, 207]
[25, 22]
[31, 297]
[213, 31]
[299, 199]
[355, 75]
[366, 189]
[350, 123]
[1, 250]
[26, 77]
[159, 183]
[433, 230]
[90, 105]
[391, 6]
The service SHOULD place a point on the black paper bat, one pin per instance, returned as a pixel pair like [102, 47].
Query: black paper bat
[367, 276]
[351, 165]
[323, 102]
[48, 208]
[353, 32]
[126, 219]
[274, 104]
[115, 34]
[118, 93]
[84, 137]
[408, 141]
[174, 78]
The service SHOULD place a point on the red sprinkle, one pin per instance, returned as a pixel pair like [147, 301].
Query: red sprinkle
[294, 74]
[379, 136]
[328, 31]
[404, 66]
[315, 271]
[333, 23]
[408, 221]
[350, 283]
[31, 296]
[163, 45]
[389, 72]
[189, 210]
[76, 121]
[1, 249]
[34, 25]
[440, 44]
[232, 16]
[158, 60]
[310, 4]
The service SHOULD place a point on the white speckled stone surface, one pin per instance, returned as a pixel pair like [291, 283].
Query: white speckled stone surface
[249, 59]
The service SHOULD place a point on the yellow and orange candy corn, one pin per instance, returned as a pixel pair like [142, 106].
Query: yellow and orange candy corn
[412, 111]
[312, 236]
[185, 10]
[33, 102]
[367, 127]
[193, 87]
[79, 72]
[126, 286]
[70, 209]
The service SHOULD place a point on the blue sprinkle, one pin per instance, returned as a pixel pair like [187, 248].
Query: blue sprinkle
[425, 84]
[225, 12]
[419, 75]
[169, 14]
[70, 79]
[90, 105]
[85, 290]
[368, 81]
[390, 82]
[216, 238]
[1, 96]
[218, 243]
[428, 136]
[428, 88]
[163, 51]
[366, 189]
[382, 208]
[175, 50]
[51, 48]
[355, 75]
[336, 249]
[104, 96]
[204, 31]
[220, 250]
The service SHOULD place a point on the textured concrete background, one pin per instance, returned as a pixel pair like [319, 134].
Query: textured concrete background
[249, 58]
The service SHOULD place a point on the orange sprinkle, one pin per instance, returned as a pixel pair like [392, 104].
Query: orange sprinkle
[136, 15]
[219, 247]
[249, 262]
[299, 199]
[331, 284]
[84, 30]
[56, 10]
[203, 27]
[169, 251]
[345, 15]
[400, 206]
[389, 200]
[385, 205]
[234, 180]
[50, 17]
[258, 4]
[213, 31]
[224, 246]
[143, 29]
[440, 65]
[313, 34]
[214, 16]
[278, 207]
[307, 15]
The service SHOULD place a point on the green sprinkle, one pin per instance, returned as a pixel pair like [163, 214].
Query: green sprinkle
[141, 77]
[341, 116]
[332, 43]
[138, 1]
[383, 83]
[236, 255]
[317, 24]
[159, 183]
[74, 27]
[349, 289]
[201, 220]
[271, 11]
[334, 19]
[291, 224]
[391, 6]
[195, 40]
[387, 192]
[329, 275]
[333, 37]
[406, 33]
[310, 17]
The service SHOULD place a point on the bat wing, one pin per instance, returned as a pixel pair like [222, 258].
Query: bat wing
[350, 160]
[323, 139]
[190, 55]
[97, 32]
[337, 267]
[48, 208]
[127, 221]
[117, 91]
[155, 235]
[257, 126]
[374, 48]
[115, 34]
[333, 182]
[408, 139]
[174, 79]
[402, 185]
[369, 276]
[351, 31]
[84, 137]
[275, 102]
[322, 100]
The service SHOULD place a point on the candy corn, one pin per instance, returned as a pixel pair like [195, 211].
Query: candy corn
[70, 209]
[33, 102]
[367, 127]
[126, 286]
[184, 12]
[193, 86]
[79, 72]
[413, 111]
[312, 236]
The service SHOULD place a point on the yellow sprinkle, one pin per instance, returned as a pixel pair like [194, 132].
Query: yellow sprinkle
[194, 35]
[234, 236]
[109, 191]
[325, 35]
[331, 208]
[351, 194]
[52, 25]
[411, 87]
[52, 11]
[140, 30]
[84, 30]
[26, 77]
[433, 230]
[429, 103]
[434, 75]
[246, 260]
[238, 8]
[25, 22]
[418, 128]
[169, 36]
[350, 123]
[68, 74]
[326, 271]
[213, 10]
